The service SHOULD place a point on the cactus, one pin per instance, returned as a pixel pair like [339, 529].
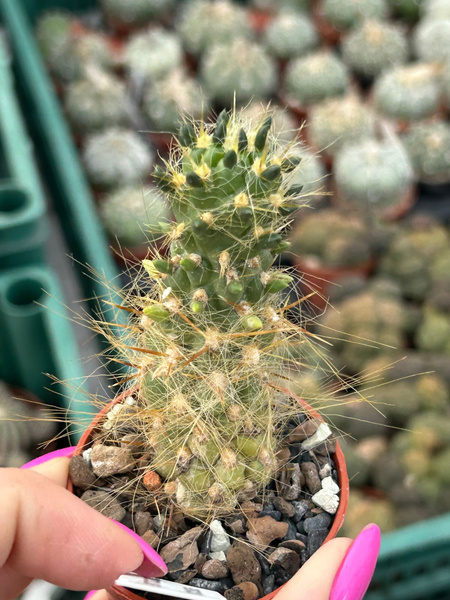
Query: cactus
[446, 84]
[435, 10]
[310, 175]
[116, 157]
[68, 51]
[408, 93]
[433, 334]
[373, 174]
[134, 13]
[97, 101]
[204, 336]
[204, 23]
[344, 14]
[366, 325]
[240, 69]
[364, 510]
[152, 54]
[284, 126]
[417, 244]
[433, 392]
[428, 147]
[273, 6]
[374, 46]
[177, 93]
[316, 77]
[291, 34]
[132, 215]
[332, 238]
[432, 40]
[340, 121]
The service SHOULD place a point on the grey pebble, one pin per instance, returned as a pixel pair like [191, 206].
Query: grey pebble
[311, 474]
[321, 521]
[315, 540]
[300, 509]
[286, 559]
[204, 584]
[291, 532]
[275, 514]
[81, 475]
[111, 460]
[105, 503]
[268, 584]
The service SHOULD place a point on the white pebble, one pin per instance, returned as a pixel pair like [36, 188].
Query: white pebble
[220, 540]
[325, 471]
[323, 432]
[218, 555]
[328, 483]
[158, 520]
[87, 456]
[327, 500]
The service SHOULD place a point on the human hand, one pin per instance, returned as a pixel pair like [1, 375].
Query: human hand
[49, 533]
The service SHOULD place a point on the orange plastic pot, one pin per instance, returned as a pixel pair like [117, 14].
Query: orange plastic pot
[119, 593]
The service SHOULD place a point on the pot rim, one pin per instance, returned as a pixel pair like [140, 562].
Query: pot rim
[339, 459]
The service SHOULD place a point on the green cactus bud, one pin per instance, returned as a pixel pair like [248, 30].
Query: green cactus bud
[408, 93]
[116, 158]
[316, 77]
[230, 159]
[243, 142]
[156, 313]
[278, 282]
[252, 323]
[343, 14]
[373, 47]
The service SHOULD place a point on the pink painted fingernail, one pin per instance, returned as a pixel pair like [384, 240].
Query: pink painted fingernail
[152, 565]
[90, 594]
[55, 454]
[356, 570]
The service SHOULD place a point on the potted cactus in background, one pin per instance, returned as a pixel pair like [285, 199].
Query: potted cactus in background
[336, 16]
[428, 147]
[290, 34]
[207, 442]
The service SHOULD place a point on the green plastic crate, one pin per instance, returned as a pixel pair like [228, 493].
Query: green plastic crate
[37, 339]
[23, 223]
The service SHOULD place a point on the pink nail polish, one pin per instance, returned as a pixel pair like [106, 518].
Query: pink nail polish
[90, 594]
[55, 454]
[356, 570]
[152, 565]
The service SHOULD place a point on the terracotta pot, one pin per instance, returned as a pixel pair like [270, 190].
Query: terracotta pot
[329, 34]
[161, 140]
[259, 19]
[124, 255]
[119, 593]
[324, 276]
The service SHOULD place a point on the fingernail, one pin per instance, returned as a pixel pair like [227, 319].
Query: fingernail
[55, 454]
[356, 570]
[152, 565]
[90, 594]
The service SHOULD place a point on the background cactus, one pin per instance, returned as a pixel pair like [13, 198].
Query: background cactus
[284, 126]
[332, 238]
[291, 34]
[152, 54]
[310, 175]
[432, 40]
[373, 174]
[207, 407]
[240, 68]
[134, 13]
[428, 147]
[435, 9]
[433, 334]
[408, 93]
[116, 157]
[344, 14]
[339, 121]
[204, 23]
[97, 101]
[133, 215]
[176, 94]
[316, 77]
[412, 251]
[374, 46]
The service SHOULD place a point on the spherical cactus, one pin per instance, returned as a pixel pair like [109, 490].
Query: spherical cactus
[339, 121]
[446, 84]
[428, 147]
[373, 175]
[433, 334]
[344, 14]
[433, 392]
[332, 238]
[241, 68]
[178, 94]
[365, 326]
[373, 47]
[432, 40]
[316, 77]
[284, 126]
[411, 252]
[435, 10]
[398, 400]
[364, 510]
[408, 93]
[310, 175]
[97, 101]
[152, 54]
[134, 13]
[291, 34]
[117, 157]
[53, 31]
[204, 23]
[132, 215]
